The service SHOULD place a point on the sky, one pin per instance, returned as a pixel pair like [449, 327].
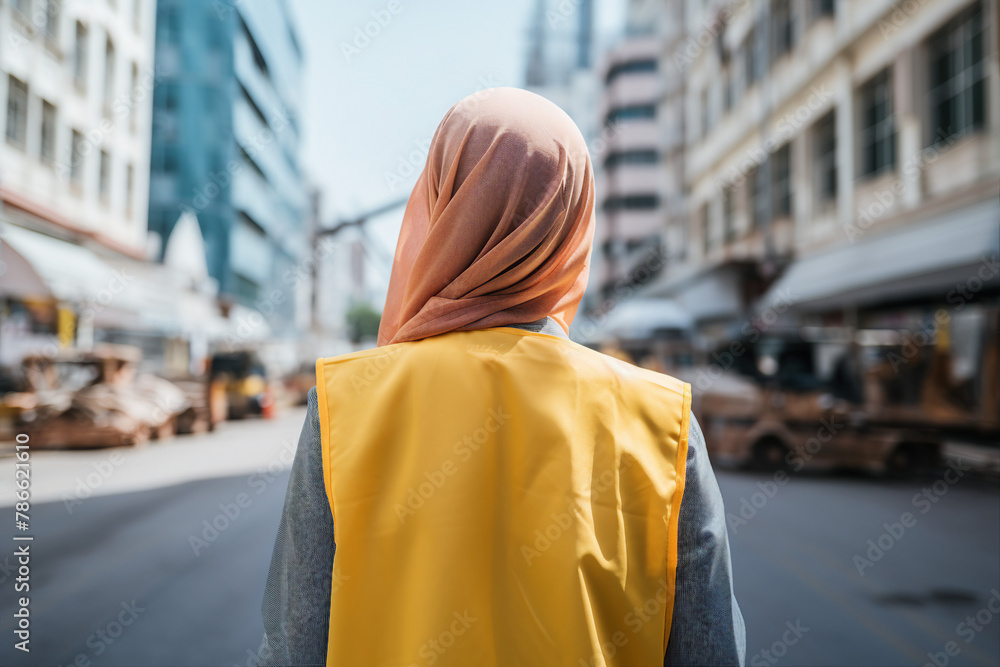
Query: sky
[371, 103]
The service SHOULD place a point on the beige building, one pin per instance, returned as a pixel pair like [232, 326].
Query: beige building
[841, 160]
[640, 167]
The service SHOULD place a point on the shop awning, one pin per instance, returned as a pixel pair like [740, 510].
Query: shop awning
[66, 271]
[639, 319]
[122, 294]
[714, 294]
[929, 258]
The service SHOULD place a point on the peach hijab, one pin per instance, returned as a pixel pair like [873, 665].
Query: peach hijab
[499, 227]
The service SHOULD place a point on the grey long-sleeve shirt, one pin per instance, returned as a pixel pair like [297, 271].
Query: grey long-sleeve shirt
[707, 627]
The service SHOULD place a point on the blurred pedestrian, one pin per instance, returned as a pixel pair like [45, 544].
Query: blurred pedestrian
[478, 489]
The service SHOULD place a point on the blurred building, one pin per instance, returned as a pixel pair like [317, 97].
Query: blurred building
[640, 165]
[76, 82]
[226, 146]
[562, 42]
[841, 162]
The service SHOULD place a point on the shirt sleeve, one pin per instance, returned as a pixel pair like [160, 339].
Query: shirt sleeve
[707, 626]
[296, 607]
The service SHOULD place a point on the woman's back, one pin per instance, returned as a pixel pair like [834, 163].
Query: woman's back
[500, 497]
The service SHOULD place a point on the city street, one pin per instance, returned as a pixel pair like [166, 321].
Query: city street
[130, 577]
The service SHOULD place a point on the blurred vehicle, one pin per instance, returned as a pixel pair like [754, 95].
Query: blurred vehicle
[652, 333]
[298, 384]
[862, 399]
[79, 399]
[239, 385]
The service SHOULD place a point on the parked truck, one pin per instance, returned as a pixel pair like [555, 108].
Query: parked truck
[868, 398]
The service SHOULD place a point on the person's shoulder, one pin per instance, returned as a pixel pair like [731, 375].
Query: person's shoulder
[370, 353]
[627, 371]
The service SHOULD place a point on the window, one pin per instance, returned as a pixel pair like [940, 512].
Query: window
[753, 62]
[163, 159]
[636, 112]
[80, 55]
[630, 67]
[166, 96]
[824, 137]
[53, 10]
[168, 26]
[252, 104]
[728, 227]
[619, 158]
[781, 182]
[958, 76]
[77, 158]
[706, 111]
[258, 57]
[109, 72]
[133, 93]
[822, 8]
[104, 182]
[760, 205]
[706, 238]
[878, 129]
[728, 90]
[47, 142]
[17, 111]
[644, 202]
[250, 162]
[129, 189]
[782, 27]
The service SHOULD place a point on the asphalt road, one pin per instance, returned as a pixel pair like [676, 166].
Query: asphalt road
[119, 582]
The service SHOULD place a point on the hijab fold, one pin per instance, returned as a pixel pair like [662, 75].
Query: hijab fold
[500, 225]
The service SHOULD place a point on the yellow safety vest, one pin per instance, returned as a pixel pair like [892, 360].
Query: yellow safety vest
[500, 497]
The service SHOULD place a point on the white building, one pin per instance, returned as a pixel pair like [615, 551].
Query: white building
[76, 88]
[76, 81]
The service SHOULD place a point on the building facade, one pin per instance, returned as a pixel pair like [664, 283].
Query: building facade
[76, 87]
[77, 81]
[640, 167]
[841, 161]
[226, 146]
